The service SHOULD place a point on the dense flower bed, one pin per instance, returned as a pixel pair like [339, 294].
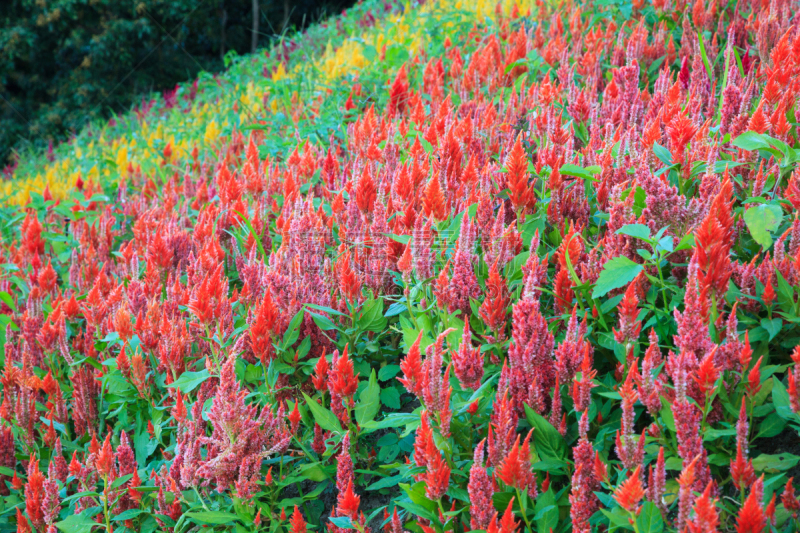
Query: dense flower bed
[435, 268]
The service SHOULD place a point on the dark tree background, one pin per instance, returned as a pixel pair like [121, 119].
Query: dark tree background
[64, 63]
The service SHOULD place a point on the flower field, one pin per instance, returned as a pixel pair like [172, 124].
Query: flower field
[441, 267]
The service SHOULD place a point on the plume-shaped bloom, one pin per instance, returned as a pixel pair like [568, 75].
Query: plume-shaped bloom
[480, 491]
[468, 361]
[630, 492]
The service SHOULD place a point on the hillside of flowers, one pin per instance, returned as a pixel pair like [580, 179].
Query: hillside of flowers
[427, 267]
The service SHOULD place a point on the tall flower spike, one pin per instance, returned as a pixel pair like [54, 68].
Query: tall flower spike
[343, 381]
[494, 309]
[706, 518]
[751, 518]
[411, 366]
[297, 524]
[320, 377]
[480, 491]
[517, 176]
[630, 492]
[468, 361]
[438, 475]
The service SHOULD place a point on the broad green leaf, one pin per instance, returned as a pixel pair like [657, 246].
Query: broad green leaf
[546, 511]
[772, 425]
[548, 441]
[580, 172]
[129, 514]
[663, 154]
[616, 273]
[773, 326]
[649, 519]
[780, 398]
[394, 420]
[762, 220]
[212, 517]
[293, 331]
[388, 372]
[372, 318]
[189, 380]
[78, 523]
[390, 398]
[322, 416]
[640, 231]
[8, 300]
[750, 141]
[370, 401]
[775, 463]
[343, 522]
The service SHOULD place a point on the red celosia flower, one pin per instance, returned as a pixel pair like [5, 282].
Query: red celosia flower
[751, 518]
[629, 326]
[342, 379]
[294, 418]
[437, 478]
[681, 130]
[494, 309]
[320, 377]
[297, 524]
[349, 503]
[480, 491]
[468, 361]
[630, 492]
[754, 379]
[34, 493]
[790, 501]
[261, 330]
[515, 470]
[105, 458]
[411, 365]
[706, 519]
[517, 177]
[434, 202]
[507, 523]
[742, 472]
[706, 375]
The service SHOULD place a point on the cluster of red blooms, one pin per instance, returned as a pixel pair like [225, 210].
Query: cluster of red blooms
[487, 198]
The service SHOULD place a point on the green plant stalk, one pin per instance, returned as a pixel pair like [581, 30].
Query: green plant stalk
[524, 514]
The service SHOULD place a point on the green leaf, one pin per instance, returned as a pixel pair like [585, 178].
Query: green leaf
[574, 170]
[121, 481]
[762, 220]
[640, 231]
[775, 463]
[663, 154]
[548, 441]
[773, 326]
[390, 398]
[616, 273]
[772, 425]
[649, 519]
[394, 420]
[546, 511]
[780, 397]
[212, 517]
[293, 331]
[189, 380]
[78, 523]
[127, 515]
[343, 522]
[8, 300]
[750, 141]
[372, 318]
[322, 416]
[388, 372]
[370, 401]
